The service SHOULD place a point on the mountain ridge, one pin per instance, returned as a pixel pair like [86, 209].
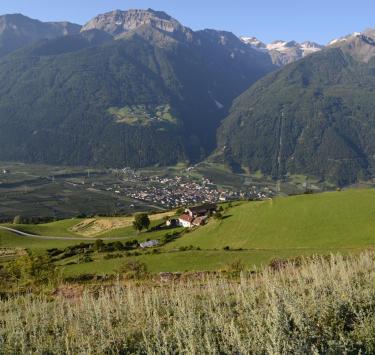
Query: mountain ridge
[313, 117]
[137, 88]
[283, 52]
[112, 96]
[17, 31]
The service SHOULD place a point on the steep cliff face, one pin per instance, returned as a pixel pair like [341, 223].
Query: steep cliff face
[117, 23]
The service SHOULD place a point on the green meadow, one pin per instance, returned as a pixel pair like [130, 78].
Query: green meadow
[332, 220]
[253, 232]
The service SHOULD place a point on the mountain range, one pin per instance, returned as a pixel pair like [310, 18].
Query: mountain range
[283, 52]
[138, 88]
[131, 88]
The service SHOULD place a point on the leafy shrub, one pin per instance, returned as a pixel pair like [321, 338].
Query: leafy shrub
[32, 270]
[86, 258]
[133, 270]
[218, 216]
[235, 267]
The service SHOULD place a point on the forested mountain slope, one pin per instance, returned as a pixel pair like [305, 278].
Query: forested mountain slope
[314, 117]
[149, 91]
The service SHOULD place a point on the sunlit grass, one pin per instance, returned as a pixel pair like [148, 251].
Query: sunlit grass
[322, 306]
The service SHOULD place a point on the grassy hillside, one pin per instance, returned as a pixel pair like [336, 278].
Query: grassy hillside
[321, 307]
[322, 221]
[10, 240]
[255, 232]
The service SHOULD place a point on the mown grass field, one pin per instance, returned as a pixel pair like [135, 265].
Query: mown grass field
[56, 229]
[195, 260]
[255, 232]
[62, 229]
[324, 221]
[10, 240]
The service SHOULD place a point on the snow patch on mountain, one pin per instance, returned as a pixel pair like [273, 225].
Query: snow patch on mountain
[346, 38]
[283, 52]
[255, 43]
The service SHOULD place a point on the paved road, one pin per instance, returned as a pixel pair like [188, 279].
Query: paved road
[44, 237]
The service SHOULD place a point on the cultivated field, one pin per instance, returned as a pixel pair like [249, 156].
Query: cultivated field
[94, 227]
[62, 192]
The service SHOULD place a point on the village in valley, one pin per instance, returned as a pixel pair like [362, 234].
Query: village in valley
[177, 191]
[114, 192]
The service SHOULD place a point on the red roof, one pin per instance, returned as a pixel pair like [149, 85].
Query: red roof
[187, 218]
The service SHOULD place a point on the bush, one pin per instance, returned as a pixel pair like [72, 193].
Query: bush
[54, 252]
[84, 259]
[218, 216]
[30, 270]
[169, 238]
[235, 267]
[118, 245]
[99, 245]
[279, 264]
[131, 244]
[133, 270]
[18, 220]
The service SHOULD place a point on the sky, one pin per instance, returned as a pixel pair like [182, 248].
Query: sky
[269, 20]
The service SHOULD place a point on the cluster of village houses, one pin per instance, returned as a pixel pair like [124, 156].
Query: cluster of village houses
[174, 192]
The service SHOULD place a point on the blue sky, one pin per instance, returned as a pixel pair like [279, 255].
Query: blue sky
[316, 20]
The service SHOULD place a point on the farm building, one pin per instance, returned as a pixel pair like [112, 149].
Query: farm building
[202, 210]
[149, 244]
[186, 220]
[196, 216]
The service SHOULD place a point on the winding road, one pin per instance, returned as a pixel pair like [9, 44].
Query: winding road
[44, 237]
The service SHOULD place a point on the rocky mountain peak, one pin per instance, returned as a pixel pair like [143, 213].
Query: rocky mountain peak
[283, 52]
[255, 43]
[309, 44]
[119, 22]
[359, 45]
